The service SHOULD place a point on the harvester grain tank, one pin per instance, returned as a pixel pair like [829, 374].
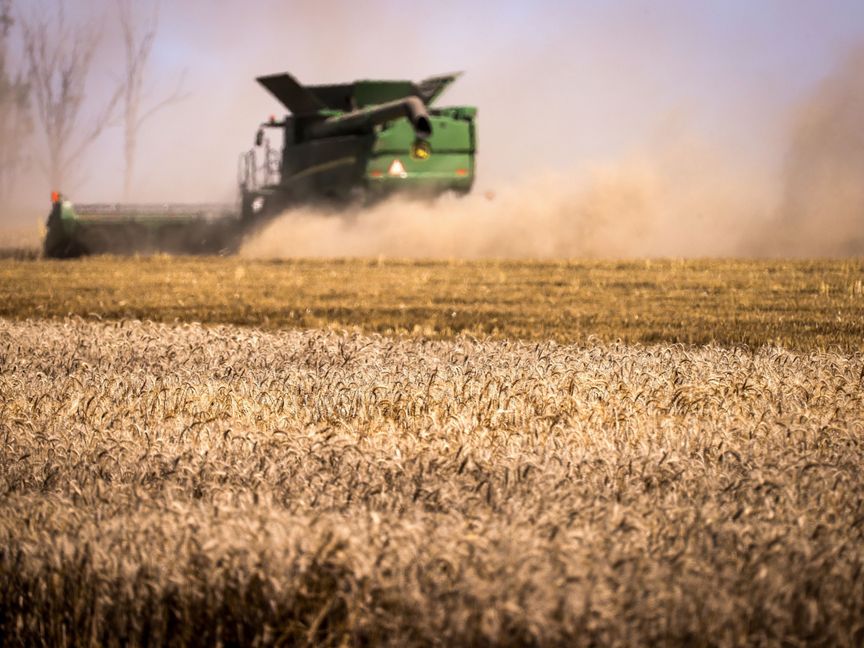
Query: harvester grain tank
[346, 143]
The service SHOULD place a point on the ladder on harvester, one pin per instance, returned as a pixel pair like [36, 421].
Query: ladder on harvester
[253, 175]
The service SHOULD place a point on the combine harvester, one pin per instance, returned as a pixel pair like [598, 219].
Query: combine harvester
[347, 143]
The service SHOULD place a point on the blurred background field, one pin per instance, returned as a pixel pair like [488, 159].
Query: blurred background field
[795, 304]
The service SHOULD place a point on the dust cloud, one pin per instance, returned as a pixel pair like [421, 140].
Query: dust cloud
[679, 196]
[822, 205]
[678, 202]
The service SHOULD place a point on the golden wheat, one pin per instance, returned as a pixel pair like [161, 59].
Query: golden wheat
[195, 485]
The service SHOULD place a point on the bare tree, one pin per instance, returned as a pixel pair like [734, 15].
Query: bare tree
[59, 58]
[138, 43]
[15, 122]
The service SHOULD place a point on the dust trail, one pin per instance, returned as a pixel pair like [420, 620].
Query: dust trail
[822, 206]
[678, 197]
[681, 201]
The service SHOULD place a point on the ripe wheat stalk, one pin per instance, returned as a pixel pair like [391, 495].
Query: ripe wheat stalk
[186, 484]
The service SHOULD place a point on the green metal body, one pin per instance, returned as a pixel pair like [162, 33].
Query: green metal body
[346, 143]
[358, 142]
[450, 165]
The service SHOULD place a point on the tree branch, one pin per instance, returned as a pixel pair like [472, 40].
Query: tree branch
[176, 97]
[59, 60]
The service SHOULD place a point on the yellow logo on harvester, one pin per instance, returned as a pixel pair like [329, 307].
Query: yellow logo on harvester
[420, 150]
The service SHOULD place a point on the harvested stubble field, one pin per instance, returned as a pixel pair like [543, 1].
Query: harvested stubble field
[801, 305]
[199, 484]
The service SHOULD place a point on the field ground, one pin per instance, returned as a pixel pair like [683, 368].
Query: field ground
[798, 305]
[501, 471]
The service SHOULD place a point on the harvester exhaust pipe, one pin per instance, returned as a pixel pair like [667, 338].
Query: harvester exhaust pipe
[411, 107]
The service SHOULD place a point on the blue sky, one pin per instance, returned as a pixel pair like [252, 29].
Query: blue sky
[559, 85]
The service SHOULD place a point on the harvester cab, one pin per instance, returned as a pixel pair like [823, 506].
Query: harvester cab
[351, 142]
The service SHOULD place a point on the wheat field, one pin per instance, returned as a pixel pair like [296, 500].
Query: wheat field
[193, 484]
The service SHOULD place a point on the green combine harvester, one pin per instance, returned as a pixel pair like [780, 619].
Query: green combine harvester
[342, 144]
